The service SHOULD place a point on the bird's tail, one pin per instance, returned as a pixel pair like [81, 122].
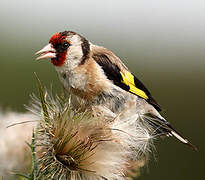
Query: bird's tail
[162, 127]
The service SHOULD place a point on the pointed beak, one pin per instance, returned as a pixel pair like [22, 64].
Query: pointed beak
[47, 52]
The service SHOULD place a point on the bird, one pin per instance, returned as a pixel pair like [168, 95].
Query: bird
[97, 77]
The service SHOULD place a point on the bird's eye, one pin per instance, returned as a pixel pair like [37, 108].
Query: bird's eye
[66, 44]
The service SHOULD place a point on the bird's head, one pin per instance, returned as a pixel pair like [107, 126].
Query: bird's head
[65, 48]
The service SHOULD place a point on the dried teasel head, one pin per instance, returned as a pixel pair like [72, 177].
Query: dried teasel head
[76, 145]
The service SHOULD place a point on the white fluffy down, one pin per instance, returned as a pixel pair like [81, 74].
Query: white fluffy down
[13, 149]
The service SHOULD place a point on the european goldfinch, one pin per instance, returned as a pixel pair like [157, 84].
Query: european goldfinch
[98, 77]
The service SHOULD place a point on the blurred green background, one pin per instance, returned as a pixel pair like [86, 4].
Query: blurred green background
[162, 42]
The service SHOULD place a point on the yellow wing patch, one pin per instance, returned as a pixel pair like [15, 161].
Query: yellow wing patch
[128, 79]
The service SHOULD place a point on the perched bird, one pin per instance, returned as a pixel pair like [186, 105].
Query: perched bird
[98, 77]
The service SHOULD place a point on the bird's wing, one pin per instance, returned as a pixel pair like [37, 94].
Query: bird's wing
[117, 72]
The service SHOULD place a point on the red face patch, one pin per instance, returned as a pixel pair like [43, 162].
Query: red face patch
[59, 60]
[57, 40]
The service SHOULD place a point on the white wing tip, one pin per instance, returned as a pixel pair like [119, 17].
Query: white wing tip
[179, 137]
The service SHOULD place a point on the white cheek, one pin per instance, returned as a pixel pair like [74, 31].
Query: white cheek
[74, 54]
[73, 57]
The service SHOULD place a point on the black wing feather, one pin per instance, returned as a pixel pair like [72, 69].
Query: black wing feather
[112, 71]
